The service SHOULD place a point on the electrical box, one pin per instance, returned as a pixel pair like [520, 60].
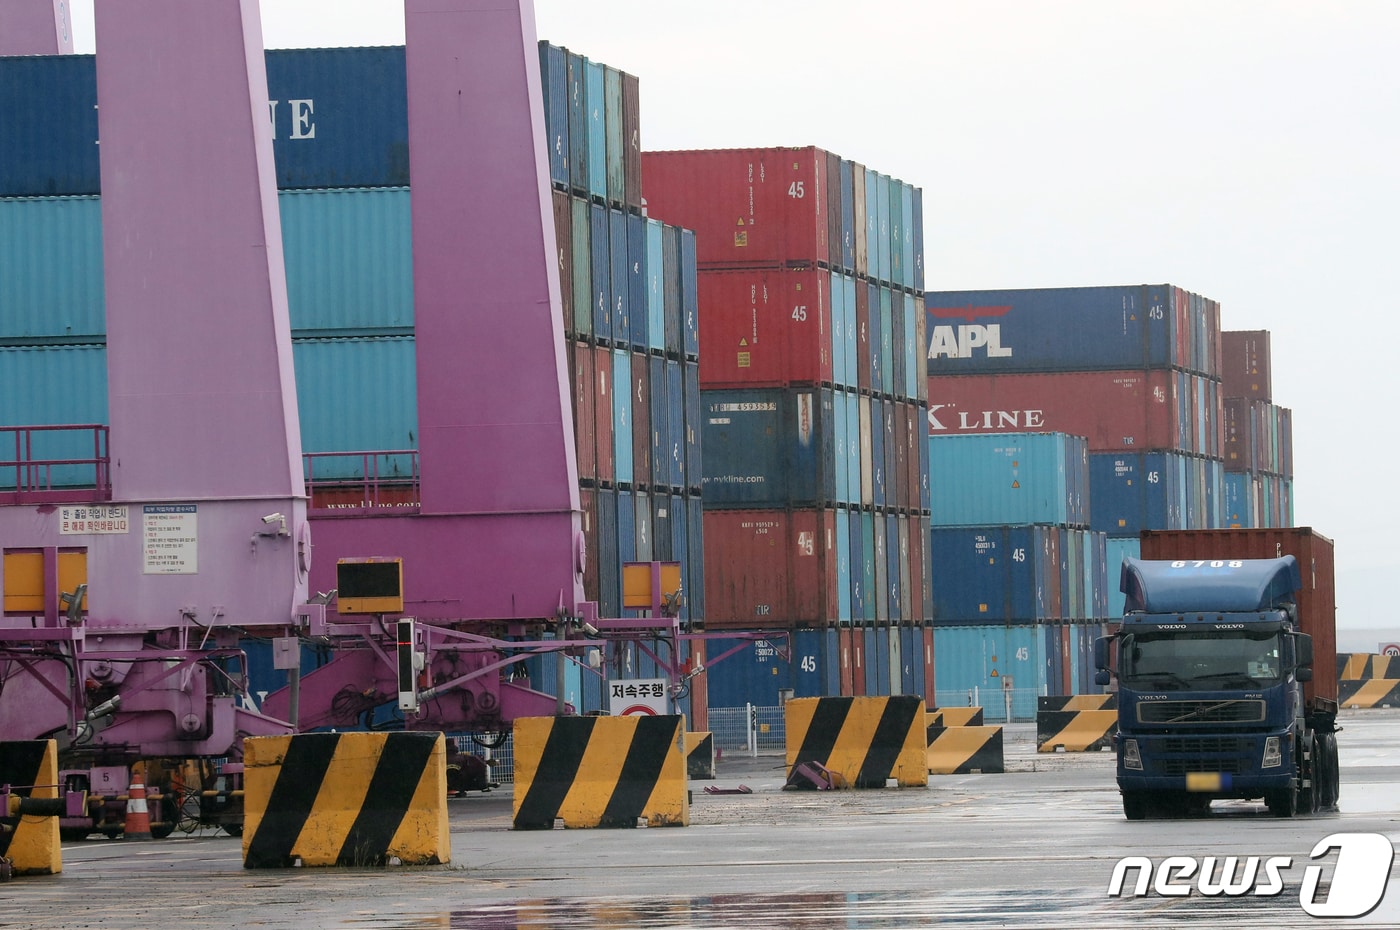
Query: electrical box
[369, 586]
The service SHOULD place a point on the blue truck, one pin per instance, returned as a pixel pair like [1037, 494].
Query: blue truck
[1226, 673]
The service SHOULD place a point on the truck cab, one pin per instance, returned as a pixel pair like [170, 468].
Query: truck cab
[1211, 665]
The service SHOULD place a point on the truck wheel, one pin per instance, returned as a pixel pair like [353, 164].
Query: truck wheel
[1282, 802]
[1135, 805]
[1330, 768]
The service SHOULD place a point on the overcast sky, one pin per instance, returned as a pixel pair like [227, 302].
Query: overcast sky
[1244, 150]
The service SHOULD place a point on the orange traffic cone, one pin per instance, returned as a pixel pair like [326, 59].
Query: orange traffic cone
[138, 819]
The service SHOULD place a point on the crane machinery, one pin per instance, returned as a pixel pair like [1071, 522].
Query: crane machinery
[129, 588]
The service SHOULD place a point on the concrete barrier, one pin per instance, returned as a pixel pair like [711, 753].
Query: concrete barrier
[600, 772]
[322, 799]
[966, 750]
[28, 837]
[700, 755]
[1373, 692]
[955, 717]
[865, 740]
[1076, 722]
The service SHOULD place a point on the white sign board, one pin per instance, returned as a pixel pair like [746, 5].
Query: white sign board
[172, 539]
[645, 696]
[92, 519]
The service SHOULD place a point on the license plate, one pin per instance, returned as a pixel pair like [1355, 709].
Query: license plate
[1203, 781]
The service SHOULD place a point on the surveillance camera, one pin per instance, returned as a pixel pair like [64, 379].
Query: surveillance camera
[273, 518]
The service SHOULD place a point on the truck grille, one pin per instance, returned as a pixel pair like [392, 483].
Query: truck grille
[1201, 712]
[1182, 754]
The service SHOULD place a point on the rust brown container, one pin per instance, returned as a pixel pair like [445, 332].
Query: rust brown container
[1246, 370]
[1317, 601]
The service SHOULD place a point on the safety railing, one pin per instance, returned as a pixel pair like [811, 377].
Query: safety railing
[67, 463]
[362, 482]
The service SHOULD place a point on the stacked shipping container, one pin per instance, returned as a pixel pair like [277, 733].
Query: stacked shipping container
[810, 286]
[1013, 565]
[1258, 489]
[340, 145]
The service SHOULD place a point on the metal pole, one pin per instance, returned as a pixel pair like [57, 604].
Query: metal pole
[561, 659]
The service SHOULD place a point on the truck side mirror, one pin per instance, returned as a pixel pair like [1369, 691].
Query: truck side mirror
[1303, 650]
[1101, 655]
[1101, 677]
[1302, 673]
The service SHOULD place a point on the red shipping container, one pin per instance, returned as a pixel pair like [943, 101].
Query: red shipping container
[583, 391]
[845, 640]
[765, 327]
[1246, 369]
[918, 571]
[768, 569]
[1134, 411]
[1317, 601]
[835, 246]
[603, 411]
[748, 207]
[863, 327]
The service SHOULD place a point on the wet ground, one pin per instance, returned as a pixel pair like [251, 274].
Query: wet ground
[1035, 847]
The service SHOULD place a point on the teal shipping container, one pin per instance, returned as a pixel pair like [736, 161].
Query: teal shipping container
[51, 259]
[981, 665]
[1118, 548]
[1008, 478]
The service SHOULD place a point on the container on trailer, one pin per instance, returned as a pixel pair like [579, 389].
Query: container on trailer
[748, 206]
[1317, 600]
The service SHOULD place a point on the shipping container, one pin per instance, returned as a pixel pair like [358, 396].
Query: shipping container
[675, 422]
[582, 258]
[600, 246]
[609, 570]
[859, 219]
[51, 386]
[1132, 492]
[690, 295]
[554, 83]
[349, 260]
[1062, 329]
[765, 327]
[672, 288]
[595, 81]
[376, 378]
[1317, 599]
[659, 423]
[640, 428]
[564, 247]
[632, 140]
[622, 418]
[578, 122]
[749, 207]
[584, 390]
[638, 312]
[694, 460]
[768, 568]
[603, 413]
[51, 286]
[1114, 410]
[656, 300]
[1009, 478]
[616, 142]
[768, 448]
[619, 277]
[997, 668]
[760, 672]
[996, 574]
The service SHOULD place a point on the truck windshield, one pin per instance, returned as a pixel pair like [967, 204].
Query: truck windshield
[1201, 660]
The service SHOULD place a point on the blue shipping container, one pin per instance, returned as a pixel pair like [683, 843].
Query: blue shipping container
[554, 82]
[768, 447]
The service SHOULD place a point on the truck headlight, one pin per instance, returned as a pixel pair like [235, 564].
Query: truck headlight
[1272, 757]
[1131, 759]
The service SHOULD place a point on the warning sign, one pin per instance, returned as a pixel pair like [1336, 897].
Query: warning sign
[644, 696]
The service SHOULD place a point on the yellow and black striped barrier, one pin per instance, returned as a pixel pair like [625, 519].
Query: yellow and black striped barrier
[966, 750]
[1076, 723]
[345, 799]
[1364, 666]
[600, 772]
[955, 717]
[29, 828]
[1373, 692]
[700, 754]
[864, 740]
